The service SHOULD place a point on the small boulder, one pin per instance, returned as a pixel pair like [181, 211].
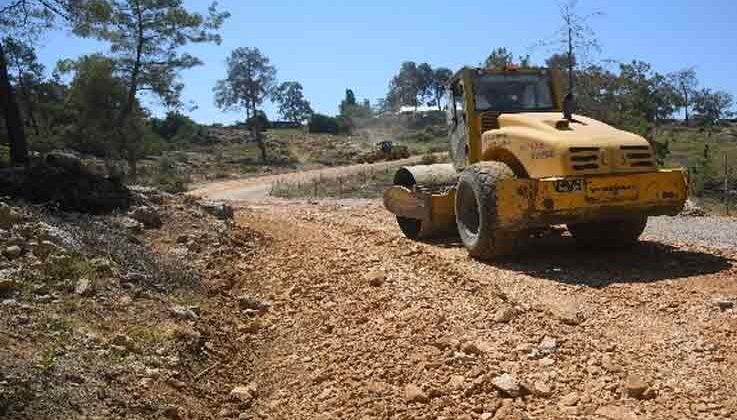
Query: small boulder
[456, 381]
[635, 386]
[144, 195]
[8, 216]
[469, 347]
[251, 303]
[567, 313]
[548, 345]
[134, 277]
[507, 385]
[218, 209]
[7, 285]
[721, 303]
[148, 216]
[67, 161]
[505, 314]
[174, 412]
[244, 394]
[131, 225]
[570, 399]
[183, 313]
[12, 252]
[376, 278]
[84, 287]
[122, 341]
[690, 208]
[413, 393]
[43, 249]
[542, 389]
[615, 412]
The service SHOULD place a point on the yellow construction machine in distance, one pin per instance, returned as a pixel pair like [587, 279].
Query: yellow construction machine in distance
[521, 162]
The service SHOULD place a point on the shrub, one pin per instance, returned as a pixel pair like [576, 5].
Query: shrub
[179, 128]
[320, 123]
[261, 119]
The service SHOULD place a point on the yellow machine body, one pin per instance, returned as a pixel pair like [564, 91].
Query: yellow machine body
[568, 170]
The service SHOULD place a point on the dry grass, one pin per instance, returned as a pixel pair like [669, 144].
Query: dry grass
[365, 184]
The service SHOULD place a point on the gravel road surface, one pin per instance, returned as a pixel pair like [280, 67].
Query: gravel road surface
[368, 324]
[710, 231]
[365, 323]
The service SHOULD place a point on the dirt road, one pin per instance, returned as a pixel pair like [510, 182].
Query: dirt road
[259, 187]
[367, 324]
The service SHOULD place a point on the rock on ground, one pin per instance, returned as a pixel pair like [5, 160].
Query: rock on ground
[507, 385]
[413, 393]
[218, 209]
[615, 412]
[148, 216]
[635, 386]
[84, 287]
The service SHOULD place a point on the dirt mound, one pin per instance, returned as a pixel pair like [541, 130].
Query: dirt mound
[63, 182]
[98, 322]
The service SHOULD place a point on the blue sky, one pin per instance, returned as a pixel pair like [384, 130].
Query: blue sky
[329, 46]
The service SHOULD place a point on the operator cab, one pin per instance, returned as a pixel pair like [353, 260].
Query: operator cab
[513, 92]
[476, 98]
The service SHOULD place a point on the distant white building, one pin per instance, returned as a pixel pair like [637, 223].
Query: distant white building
[418, 109]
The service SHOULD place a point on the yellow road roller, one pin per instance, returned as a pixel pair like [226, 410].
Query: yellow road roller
[522, 161]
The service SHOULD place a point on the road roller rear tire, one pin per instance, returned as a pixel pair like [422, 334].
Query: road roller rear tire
[476, 212]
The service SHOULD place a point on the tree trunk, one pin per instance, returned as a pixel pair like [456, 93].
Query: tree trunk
[29, 105]
[127, 147]
[132, 165]
[16, 135]
[685, 107]
[256, 128]
[261, 146]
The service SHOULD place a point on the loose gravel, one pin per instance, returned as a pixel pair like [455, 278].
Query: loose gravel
[710, 231]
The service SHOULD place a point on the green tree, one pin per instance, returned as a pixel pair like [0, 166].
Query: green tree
[597, 92]
[352, 113]
[424, 83]
[178, 128]
[348, 104]
[440, 78]
[685, 82]
[320, 123]
[25, 19]
[499, 58]
[146, 37]
[95, 99]
[712, 106]
[27, 73]
[645, 97]
[292, 104]
[249, 80]
[405, 85]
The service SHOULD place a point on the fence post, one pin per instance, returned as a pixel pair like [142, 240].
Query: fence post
[726, 186]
